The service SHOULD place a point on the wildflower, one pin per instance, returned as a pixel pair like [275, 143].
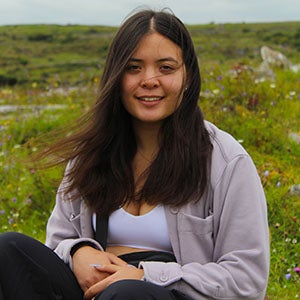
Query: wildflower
[267, 173]
[216, 91]
[257, 81]
[28, 201]
[292, 93]
[14, 199]
[277, 225]
[10, 221]
[297, 270]
[2, 212]
[294, 241]
[278, 184]
[272, 85]
[288, 276]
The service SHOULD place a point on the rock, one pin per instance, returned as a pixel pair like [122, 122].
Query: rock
[264, 72]
[295, 190]
[294, 136]
[274, 58]
[295, 68]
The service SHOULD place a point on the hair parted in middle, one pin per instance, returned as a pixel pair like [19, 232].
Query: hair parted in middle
[103, 148]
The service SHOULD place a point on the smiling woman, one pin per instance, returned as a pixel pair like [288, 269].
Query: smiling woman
[155, 202]
[153, 81]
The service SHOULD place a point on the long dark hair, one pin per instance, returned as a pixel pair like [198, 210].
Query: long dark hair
[102, 150]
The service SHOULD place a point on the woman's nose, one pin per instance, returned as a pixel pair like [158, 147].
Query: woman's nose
[150, 81]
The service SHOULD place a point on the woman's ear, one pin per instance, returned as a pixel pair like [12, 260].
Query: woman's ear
[187, 82]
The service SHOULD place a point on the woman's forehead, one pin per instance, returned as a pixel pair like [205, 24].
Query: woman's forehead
[159, 46]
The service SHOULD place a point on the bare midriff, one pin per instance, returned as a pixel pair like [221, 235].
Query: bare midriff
[120, 250]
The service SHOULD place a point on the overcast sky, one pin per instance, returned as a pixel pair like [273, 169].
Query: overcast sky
[113, 12]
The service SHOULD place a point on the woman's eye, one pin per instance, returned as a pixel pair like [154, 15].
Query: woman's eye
[167, 69]
[132, 68]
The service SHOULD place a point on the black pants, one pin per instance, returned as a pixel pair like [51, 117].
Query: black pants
[30, 270]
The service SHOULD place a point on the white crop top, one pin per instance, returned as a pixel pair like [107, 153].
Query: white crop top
[148, 231]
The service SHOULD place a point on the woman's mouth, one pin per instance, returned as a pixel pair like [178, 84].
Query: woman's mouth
[150, 98]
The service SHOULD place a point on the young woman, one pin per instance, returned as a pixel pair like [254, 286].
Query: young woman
[156, 203]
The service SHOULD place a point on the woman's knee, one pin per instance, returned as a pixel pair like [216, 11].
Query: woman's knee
[7, 238]
[14, 244]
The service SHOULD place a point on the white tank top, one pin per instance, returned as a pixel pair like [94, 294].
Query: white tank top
[148, 231]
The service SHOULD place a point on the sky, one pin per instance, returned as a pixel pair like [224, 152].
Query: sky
[113, 12]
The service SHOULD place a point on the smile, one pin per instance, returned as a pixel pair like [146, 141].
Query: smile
[149, 99]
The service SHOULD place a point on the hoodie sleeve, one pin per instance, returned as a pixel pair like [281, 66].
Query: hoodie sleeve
[240, 258]
[64, 227]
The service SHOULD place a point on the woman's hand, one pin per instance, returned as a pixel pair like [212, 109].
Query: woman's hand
[117, 273]
[84, 259]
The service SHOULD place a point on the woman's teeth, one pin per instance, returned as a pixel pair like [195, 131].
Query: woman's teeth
[149, 99]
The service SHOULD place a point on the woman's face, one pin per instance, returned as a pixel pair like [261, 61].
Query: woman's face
[152, 83]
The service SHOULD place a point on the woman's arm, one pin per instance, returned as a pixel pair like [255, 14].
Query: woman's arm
[240, 260]
[73, 241]
[64, 227]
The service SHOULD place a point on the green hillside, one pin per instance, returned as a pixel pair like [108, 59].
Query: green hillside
[74, 54]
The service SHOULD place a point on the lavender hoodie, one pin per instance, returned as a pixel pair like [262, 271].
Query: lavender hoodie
[221, 242]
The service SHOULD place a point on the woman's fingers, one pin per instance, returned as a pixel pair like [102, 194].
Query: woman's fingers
[117, 273]
[96, 289]
[101, 285]
[116, 260]
[108, 268]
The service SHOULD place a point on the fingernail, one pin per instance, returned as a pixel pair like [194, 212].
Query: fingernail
[95, 265]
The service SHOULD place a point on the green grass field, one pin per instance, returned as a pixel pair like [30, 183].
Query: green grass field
[49, 76]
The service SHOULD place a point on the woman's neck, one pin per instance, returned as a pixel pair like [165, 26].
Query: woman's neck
[147, 138]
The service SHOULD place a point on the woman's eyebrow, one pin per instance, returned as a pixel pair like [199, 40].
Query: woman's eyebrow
[168, 59]
[159, 60]
[135, 59]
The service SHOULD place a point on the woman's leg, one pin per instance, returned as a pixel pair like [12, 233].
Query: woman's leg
[136, 290]
[30, 270]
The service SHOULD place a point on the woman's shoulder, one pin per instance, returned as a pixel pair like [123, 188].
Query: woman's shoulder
[227, 151]
[225, 146]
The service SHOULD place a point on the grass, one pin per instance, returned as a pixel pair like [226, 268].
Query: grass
[53, 72]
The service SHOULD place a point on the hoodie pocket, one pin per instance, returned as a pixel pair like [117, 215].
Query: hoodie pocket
[196, 238]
